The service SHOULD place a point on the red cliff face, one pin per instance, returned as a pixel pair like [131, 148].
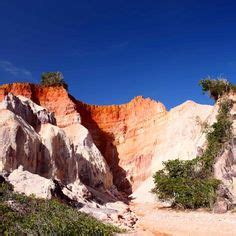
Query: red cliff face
[55, 99]
[125, 134]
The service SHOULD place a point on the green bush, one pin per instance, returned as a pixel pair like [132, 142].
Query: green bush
[183, 190]
[190, 184]
[53, 79]
[233, 88]
[28, 215]
[220, 132]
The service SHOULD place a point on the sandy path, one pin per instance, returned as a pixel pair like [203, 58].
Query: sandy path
[156, 221]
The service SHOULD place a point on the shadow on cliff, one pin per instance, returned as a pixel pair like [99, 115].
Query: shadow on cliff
[105, 143]
[96, 188]
[112, 156]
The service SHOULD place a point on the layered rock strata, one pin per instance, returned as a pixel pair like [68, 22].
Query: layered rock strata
[127, 137]
[134, 138]
[54, 99]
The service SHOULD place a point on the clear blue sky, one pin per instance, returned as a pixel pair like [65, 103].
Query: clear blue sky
[110, 51]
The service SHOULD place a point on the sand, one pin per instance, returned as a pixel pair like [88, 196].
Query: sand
[157, 221]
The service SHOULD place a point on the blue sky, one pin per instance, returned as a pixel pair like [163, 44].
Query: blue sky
[111, 51]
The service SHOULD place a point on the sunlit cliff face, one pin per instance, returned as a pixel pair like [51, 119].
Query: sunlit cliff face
[126, 135]
[134, 138]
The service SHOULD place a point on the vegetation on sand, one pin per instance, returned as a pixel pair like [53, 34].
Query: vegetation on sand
[21, 215]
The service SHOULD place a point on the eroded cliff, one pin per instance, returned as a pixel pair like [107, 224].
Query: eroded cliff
[126, 135]
[134, 138]
[31, 140]
[55, 99]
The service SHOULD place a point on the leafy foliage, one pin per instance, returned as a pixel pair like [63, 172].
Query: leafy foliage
[190, 183]
[218, 135]
[215, 87]
[53, 79]
[185, 192]
[21, 215]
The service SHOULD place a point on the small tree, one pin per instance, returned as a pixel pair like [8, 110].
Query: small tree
[53, 79]
[183, 183]
[215, 87]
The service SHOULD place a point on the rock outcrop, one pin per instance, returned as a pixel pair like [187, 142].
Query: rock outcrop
[29, 139]
[19, 144]
[180, 137]
[134, 138]
[91, 165]
[86, 152]
[37, 157]
[225, 168]
[182, 133]
[27, 110]
[54, 99]
[31, 184]
[137, 137]
[78, 195]
[127, 136]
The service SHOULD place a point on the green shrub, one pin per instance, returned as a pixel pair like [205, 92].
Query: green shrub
[187, 191]
[233, 88]
[45, 217]
[219, 134]
[53, 79]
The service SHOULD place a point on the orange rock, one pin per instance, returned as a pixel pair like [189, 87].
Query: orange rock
[134, 138]
[55, 99]
[126, 135]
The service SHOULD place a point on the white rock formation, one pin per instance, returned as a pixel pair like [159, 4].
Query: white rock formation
[181, 136]
[182, 133]
[30, 112]
[19, 143]
[63, 164]
[28, 137]
[31, 184]
[92, 167]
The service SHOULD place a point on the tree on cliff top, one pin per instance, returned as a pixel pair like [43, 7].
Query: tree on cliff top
[215, 87]
[53, 79]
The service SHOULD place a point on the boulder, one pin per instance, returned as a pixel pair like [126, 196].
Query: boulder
[221, 206]
[31, 184]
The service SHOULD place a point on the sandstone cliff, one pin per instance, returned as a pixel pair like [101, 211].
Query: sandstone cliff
[30, 138]
[37, 157]
[83, 152]
[134, 138]
[55, 99]
[127, 136]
